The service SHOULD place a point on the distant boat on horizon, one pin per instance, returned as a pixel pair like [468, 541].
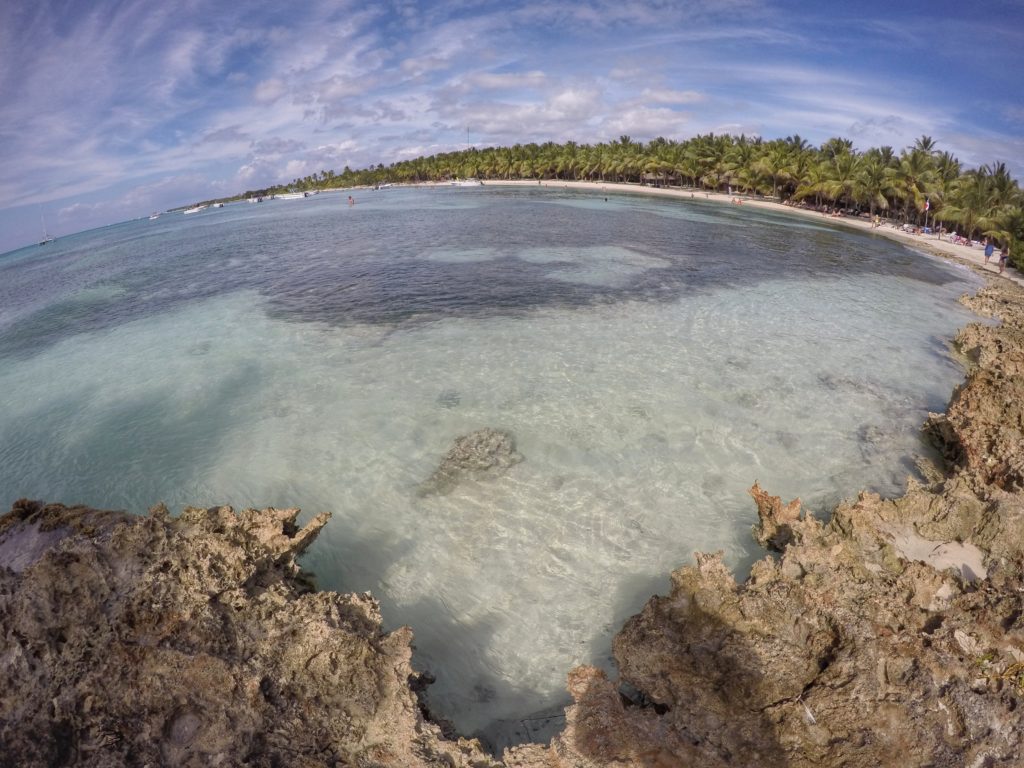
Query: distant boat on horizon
[154, 216]
[47, 237]
[195, 209]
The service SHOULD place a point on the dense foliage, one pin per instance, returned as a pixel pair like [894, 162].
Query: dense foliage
[919, 185]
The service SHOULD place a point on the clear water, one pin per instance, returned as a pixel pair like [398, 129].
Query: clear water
[652, 358]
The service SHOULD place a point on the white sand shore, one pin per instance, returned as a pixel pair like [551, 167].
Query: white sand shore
[930, 243]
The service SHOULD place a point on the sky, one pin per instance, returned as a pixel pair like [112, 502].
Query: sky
[111, 110]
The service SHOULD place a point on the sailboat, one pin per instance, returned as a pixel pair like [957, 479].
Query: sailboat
[47, 237]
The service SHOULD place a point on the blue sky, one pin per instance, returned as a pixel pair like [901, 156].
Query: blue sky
[111, 110]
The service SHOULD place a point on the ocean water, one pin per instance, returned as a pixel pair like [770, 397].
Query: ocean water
[652, 358]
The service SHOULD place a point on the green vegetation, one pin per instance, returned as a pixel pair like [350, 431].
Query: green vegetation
[919, 186]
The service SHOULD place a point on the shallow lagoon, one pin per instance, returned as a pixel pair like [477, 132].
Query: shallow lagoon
[653, 358]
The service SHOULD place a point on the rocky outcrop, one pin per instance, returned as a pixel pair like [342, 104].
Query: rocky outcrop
[981, 433]
[196, 641]
[890, 634]
[480, 455]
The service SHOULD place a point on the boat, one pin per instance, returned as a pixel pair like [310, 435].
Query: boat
[47, 237]
[195, 209]
[290, 196]
[217, 205]
[154, 216]
[466, 183]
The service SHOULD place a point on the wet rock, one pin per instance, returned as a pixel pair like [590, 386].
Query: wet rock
[485, 453]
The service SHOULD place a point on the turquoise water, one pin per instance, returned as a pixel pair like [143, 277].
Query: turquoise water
[652, 358]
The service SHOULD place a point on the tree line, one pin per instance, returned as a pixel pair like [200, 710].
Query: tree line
[918, 185]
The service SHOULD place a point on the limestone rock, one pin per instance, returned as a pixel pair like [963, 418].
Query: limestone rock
[482, 454]
[195, 641]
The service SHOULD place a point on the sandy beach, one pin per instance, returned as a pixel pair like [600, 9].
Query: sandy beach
[972, 256]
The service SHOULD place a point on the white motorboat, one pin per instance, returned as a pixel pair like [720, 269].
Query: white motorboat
[195, 209]
[466, 183]
[154, 216]
[290, 196]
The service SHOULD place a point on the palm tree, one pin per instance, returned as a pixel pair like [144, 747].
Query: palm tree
[843, 172]
[925, 144]
[971, 201]
[915, 179]
[796, 144]
[1006, 225]
[872, 184]
[776, 163]
[816, 183]
[834, 147]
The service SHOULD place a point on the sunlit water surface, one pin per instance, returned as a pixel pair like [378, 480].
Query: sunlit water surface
[652, 359]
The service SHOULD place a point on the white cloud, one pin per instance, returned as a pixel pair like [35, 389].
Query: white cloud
[669, 96]
[421, 65]
[646, 123]
[506, 80]
[269, 90]
[229, 134]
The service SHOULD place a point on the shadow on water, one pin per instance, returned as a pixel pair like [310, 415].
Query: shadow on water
[312, 266]
[445, 642]
[147, 450]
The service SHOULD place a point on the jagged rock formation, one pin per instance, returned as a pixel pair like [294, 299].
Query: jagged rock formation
[131, 641]
[482, 454]
[893, 634]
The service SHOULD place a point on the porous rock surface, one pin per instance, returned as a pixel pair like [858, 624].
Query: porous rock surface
[483, 454]
[892, 635]
[196, 641]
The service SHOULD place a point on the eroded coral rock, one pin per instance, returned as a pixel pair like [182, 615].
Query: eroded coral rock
[195, 641]
[482, 454]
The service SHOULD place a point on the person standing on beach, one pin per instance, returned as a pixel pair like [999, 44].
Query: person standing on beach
[1004, 256]
[989, 248]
